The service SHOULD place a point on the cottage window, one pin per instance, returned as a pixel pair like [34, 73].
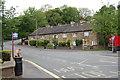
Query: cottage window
[93, 43]
[32, 38]
[86, 33]
[74, 34]
[64, 35]
[42, 37]
[74, 43]
[56, 36]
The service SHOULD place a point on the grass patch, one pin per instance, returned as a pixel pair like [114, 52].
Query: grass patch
[97, 50]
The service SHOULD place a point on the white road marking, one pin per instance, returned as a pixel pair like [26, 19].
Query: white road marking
[94, 74]
[114, 72]
[107, 61]
[80, 75]
[83, 61]
[63, 76]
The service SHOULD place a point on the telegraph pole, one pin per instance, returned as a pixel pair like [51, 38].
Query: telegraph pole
[2, 24]
[36, 33]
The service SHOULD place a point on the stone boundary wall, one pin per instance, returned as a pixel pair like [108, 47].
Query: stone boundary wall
[7, 69]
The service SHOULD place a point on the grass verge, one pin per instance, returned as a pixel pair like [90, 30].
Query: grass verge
[97, 50]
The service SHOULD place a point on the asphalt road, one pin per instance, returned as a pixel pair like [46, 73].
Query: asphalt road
[72, 63]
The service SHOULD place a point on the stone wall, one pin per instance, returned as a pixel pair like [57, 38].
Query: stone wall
[7, 69]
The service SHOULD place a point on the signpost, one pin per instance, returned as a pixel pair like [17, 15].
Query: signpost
[14, 36]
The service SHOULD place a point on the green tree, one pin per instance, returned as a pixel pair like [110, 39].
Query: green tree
[54, 16]
[9, 23]
[70, 14]
[31, 20]
[106, 23]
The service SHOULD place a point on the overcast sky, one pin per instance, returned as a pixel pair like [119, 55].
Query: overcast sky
[91, 4]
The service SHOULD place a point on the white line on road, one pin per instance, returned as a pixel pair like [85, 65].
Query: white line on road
[39, 67]
[107, 61]
[83, 61]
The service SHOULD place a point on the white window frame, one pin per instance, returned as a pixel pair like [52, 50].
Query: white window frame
[93, 43]
[73, 43]
[74, 34]
[56, 36]
[86, 33]
[64, 35]
[42, 37]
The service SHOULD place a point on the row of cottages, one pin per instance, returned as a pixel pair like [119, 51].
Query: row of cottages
[82, 31]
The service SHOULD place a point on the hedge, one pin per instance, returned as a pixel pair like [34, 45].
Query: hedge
[68, 42]
[78, 42]
[62, 44]
[49, 45]
[6, 55]
[32, 42]
[39, 42]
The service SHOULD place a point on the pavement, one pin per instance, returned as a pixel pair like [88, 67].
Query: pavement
[117, 54]
[30, 71]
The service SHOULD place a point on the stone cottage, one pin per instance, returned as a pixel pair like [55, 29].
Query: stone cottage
[82, 31]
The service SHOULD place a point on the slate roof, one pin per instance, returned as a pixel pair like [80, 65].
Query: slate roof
[76, 27]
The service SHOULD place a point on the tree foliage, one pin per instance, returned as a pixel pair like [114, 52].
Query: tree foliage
[106, 23]
[33, 19]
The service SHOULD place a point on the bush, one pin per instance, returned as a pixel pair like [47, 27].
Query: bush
[49, 45]
[68, 42]
[40, 42]
[62, 44]
[55, 41]
[32, 42]
[6, 55]
[46, 42]
[78, 42]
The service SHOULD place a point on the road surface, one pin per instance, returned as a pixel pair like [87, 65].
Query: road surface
[71, 63]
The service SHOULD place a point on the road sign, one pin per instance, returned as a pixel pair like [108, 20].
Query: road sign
[15, 35]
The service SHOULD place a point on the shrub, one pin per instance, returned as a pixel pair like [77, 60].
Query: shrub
[1, 60]
[78, 42]
[62, 43]
[45, 42]
[40, 42]
[6, 55]
[68, 42]
[49, 45]
[55, 42]
[32, 42]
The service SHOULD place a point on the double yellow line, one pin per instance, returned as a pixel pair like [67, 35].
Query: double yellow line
[41, 68]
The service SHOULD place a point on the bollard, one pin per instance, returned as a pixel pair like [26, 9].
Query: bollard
[18, 66]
